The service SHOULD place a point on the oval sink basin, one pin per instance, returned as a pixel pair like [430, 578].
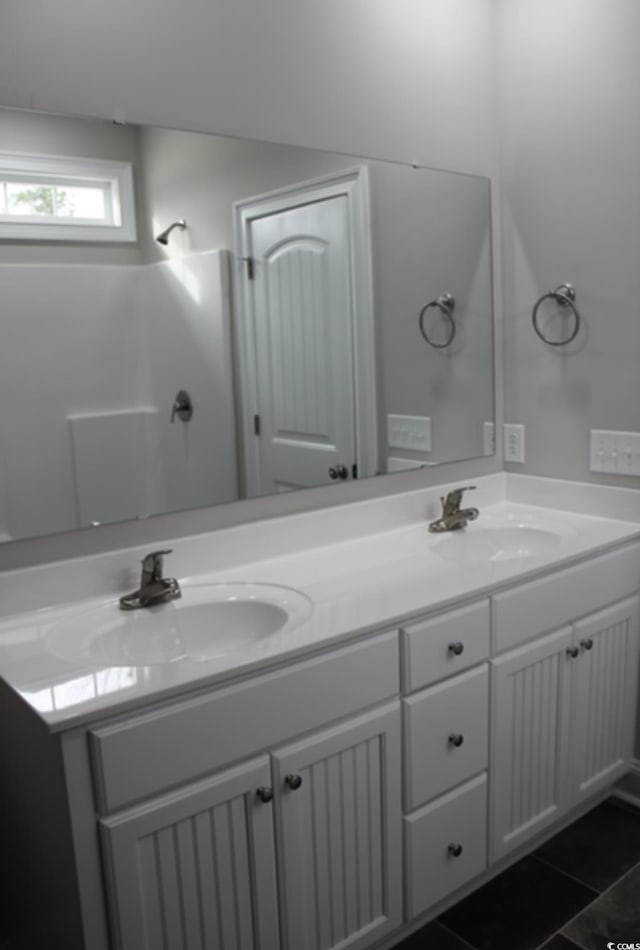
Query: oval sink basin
[209, 621]
[504, 543]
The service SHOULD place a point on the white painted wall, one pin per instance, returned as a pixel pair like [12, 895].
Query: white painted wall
[569, 81]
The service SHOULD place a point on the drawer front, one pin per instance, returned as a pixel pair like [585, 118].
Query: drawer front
[457, 821]
[551, 602]
[183, 741]
[444, 645]
[446, 735]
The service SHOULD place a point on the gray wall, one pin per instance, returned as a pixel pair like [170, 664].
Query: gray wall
[569, 80]
[77, 138]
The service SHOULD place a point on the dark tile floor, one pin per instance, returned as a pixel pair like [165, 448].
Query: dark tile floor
[579, 890]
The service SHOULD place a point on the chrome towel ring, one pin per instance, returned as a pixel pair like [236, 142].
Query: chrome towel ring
[564, 295]
[446, 303]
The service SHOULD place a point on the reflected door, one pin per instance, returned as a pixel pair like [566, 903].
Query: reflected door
[302, 298]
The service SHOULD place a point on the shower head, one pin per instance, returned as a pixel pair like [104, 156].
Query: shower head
[163, 237]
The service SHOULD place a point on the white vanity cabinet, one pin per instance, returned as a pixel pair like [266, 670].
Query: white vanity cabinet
[298, 847]
[195, 868]
[446, 734]
[563, 704]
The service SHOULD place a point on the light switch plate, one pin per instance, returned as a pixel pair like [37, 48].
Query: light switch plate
[614, 453]
[513, 443]
[409, 432]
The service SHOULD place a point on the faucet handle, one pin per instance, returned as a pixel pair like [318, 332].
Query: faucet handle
[451, 503]
[152, 563]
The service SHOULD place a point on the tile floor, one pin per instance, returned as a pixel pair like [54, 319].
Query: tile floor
[579, 890]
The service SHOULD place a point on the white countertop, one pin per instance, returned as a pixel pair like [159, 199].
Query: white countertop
[357, 584]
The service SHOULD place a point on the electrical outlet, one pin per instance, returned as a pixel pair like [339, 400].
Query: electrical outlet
[489, 440]
[513, 443]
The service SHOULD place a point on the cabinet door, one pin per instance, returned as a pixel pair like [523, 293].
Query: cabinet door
[606, 673]
[339, 834]
[195, 870]
[530, 739]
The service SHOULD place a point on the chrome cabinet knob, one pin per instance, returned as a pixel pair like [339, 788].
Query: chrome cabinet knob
[265, 794]
[455, 850]
[587, 644]
[456, 739]
[456, 648]
[293, 781]
[572, 652]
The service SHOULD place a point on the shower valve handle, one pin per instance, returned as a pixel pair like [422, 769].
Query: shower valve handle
[182, 406]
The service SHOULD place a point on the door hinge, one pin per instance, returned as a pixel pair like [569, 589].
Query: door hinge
[256, 425]
[354, 470]
[251, 269]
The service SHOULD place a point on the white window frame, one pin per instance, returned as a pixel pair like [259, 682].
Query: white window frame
[61, 170]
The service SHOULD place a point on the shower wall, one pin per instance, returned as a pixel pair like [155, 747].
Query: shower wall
[91, 361]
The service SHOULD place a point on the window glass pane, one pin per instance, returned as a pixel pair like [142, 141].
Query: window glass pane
[57, 201]
[31, 198]
[78, 202]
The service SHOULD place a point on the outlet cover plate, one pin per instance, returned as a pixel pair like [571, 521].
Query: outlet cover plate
[513, 443]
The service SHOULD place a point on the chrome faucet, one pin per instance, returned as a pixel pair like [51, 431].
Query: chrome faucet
[154, 588]
[454, 517]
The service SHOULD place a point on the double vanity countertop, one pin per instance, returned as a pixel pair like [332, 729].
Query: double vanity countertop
[337, 573]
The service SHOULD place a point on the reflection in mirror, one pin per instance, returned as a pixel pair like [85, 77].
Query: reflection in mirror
[189, 319]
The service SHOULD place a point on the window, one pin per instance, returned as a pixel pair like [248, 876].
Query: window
[49, 198]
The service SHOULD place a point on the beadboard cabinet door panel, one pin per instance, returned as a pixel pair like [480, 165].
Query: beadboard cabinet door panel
[195, 870]
[605, 697]
[530, 745]
[339, 834]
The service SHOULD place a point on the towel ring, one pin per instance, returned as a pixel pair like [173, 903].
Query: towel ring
[564, 295]
[446, 304]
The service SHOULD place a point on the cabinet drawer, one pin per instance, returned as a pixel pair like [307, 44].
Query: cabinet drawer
[553, 601]
[177, 743]
[456, 708]
[458, 819]
[445, 644]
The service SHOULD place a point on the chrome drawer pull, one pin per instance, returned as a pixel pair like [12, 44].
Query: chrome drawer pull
[265, 794]
[455, 850]
[456, 648]
[456, 739]
[293, 781]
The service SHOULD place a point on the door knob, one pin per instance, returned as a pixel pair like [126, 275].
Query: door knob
[339, 472]
[456, 739]
[293, 781]
[572, 652]
[456, 648]
[264, 793]
[455, 850]
[587, 644]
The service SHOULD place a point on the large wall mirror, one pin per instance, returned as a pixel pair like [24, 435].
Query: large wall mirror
[189, 319]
